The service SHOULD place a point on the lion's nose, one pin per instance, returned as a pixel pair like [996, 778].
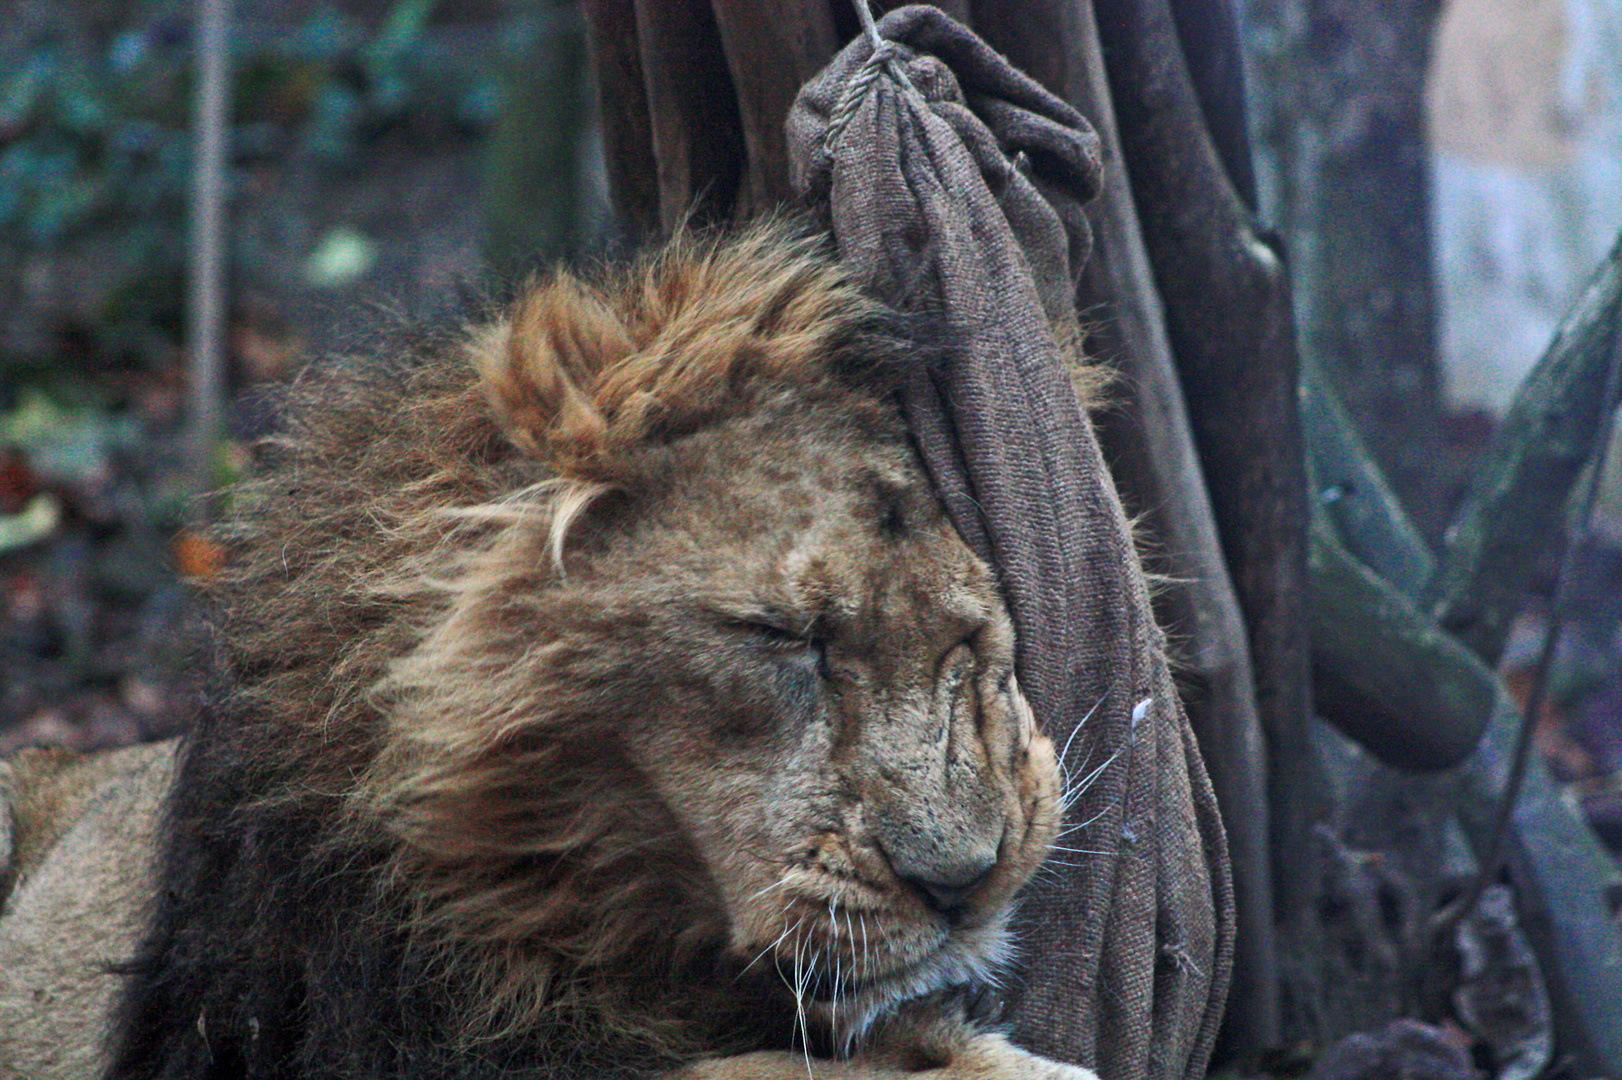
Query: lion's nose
[948, 891]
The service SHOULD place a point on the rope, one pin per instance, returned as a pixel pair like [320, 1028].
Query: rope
[885, 58]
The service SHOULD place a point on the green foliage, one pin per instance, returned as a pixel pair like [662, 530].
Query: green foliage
[95, 141]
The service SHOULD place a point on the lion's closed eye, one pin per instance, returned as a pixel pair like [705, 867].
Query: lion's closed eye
[805, 650]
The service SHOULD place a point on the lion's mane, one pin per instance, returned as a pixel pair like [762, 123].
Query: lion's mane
[387, 852]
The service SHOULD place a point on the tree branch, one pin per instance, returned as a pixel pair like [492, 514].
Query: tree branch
[771, 49]
[1562, 878]
[1366, 514]
[1385, 674]
[1517, 504]
[616, 59]
[1216, 70]
[698, 147]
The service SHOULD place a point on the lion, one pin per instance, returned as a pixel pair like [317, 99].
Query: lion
[602, 692]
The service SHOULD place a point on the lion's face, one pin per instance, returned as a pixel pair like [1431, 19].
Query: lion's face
[836, 726]
[800, 669]
[747, 698]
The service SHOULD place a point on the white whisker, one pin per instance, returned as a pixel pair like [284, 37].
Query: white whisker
[1079, 825]
[772, 947]
[1079, 788]
[1065, 753]
[839, 971]
[777, 885]
[802, 979]
[860, 973]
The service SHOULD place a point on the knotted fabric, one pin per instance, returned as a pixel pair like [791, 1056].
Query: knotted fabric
[955, 184]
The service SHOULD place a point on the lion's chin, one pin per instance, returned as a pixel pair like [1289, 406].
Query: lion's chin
[967, 958]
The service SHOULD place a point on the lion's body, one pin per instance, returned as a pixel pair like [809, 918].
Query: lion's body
[604, 694]
[75, 885]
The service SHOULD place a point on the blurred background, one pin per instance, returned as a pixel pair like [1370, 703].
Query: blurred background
[372, 173]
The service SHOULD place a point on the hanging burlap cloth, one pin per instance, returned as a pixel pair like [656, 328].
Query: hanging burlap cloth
[954, 183]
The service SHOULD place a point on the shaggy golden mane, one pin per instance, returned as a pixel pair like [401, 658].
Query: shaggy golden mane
[583, 677]
[426, 488]
[583, 374]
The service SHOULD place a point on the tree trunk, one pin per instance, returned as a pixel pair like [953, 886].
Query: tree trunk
[1339, 96]
[535, 206]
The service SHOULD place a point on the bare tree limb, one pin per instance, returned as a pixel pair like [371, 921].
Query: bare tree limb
[1517, 504]
[1562, 875]
[1562, 878]
[209, 252]
[1339, 89]
[1216, 70]
[533, 201]
[616, 58]
[771, 49]
[698, 146]
[1384, 673]
[1366, 514]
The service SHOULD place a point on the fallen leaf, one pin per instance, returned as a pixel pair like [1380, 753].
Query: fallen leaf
[197, 557]
[36, 521]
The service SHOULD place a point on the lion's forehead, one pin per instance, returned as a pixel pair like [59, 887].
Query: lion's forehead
[820, 523]
[842, 582]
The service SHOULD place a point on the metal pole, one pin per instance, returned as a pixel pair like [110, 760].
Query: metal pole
[206, 308]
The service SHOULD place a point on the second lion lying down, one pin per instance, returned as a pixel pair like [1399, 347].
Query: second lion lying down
[605, 695]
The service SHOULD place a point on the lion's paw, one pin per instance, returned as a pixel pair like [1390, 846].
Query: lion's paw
[928, 1042]
[985, 1057]
[992, 1057]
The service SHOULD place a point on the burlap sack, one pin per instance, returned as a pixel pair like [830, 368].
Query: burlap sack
[955, 183]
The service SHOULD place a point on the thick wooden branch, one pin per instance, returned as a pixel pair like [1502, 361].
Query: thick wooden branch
[1385, 674]
[1338, 86]
[698, 146]
[1231, 326]
[771, 49]
[1562, 876]
[1367, 517]
[534, 204]
[1517, 504]
[1563, 880]
[1209, 31]
[616, 59]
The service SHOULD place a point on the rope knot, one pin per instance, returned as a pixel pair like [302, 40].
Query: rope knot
[886, 57]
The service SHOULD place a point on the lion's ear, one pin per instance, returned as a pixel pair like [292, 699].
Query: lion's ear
[540, 369]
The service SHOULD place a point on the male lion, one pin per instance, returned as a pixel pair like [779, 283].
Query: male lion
[605, 695]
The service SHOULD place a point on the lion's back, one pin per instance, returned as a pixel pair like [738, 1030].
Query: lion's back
[83, 834]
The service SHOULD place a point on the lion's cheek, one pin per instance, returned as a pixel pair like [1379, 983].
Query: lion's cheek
[1034, 814]
[1038, 778]
[742, 845]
